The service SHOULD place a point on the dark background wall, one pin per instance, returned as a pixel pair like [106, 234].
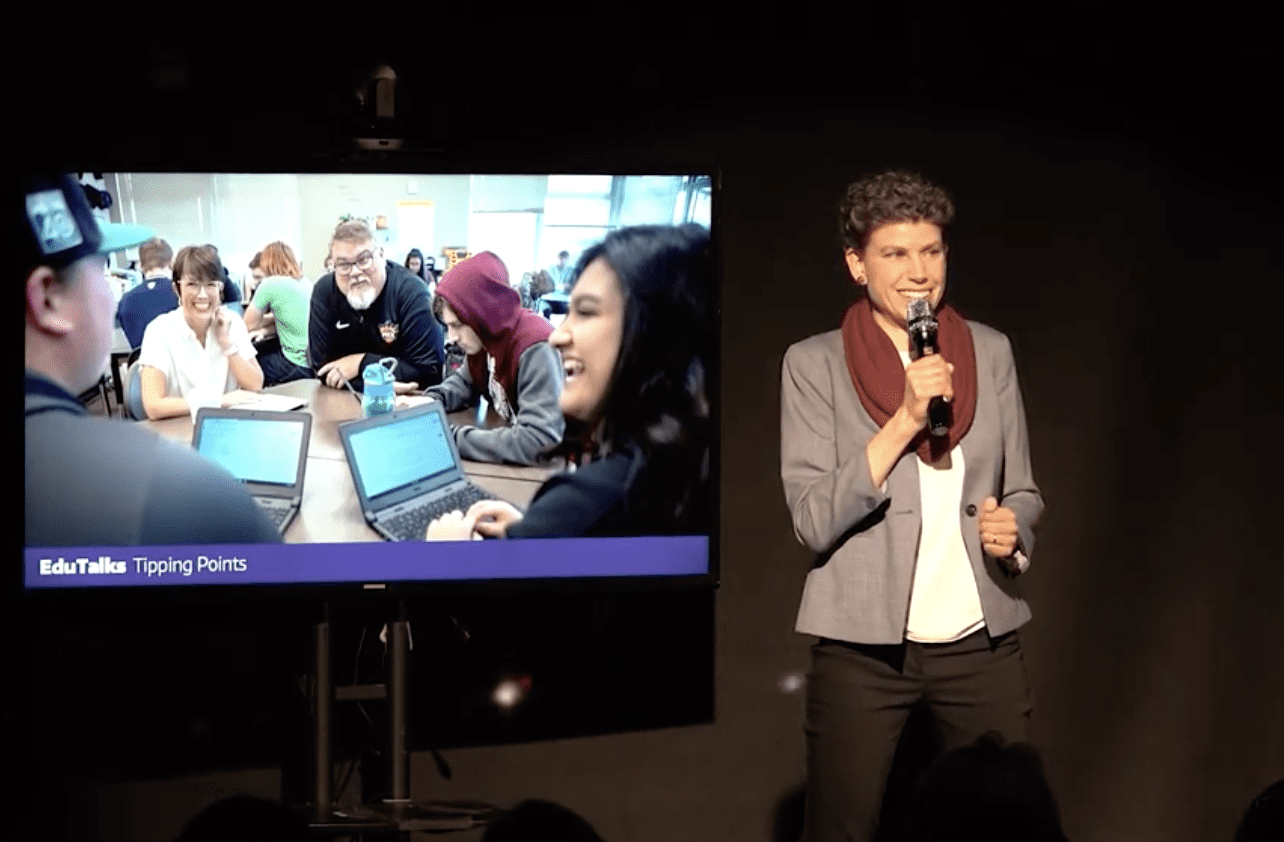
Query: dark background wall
[1118, 219]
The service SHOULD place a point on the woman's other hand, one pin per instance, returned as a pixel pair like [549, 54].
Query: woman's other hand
[493, 517]
[998, 527]
[926, 378]
[452, 526]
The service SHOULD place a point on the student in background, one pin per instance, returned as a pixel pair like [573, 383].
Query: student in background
[280, 308]
[508, 360]
[231, 292]
[524, 290]
[420, 268]
[415, 265]
[155, 295]
[256, 276]
[533, 288]
[561, 273]
[196, 354]
[635, 347]
[99, 481]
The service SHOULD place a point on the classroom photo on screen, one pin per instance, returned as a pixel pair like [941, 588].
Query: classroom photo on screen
[223, 367]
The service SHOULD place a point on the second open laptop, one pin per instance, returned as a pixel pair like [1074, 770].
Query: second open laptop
[265, 450]
[407, 470]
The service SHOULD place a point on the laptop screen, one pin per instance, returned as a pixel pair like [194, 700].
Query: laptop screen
[394, 455]
[254, 450]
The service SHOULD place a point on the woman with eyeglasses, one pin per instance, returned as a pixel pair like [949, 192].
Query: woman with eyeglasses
[194, 355]
[636, 348]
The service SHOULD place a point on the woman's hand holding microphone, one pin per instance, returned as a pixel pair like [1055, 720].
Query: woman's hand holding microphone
[928, 377]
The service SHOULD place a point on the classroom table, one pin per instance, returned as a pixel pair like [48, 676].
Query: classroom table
[330, 511]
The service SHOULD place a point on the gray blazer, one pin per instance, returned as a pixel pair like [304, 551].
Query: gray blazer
[867, 540]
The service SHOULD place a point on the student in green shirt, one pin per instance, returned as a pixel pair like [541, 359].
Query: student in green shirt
[280, 308]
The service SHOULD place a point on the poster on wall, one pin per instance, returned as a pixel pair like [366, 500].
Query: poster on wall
[454, 255]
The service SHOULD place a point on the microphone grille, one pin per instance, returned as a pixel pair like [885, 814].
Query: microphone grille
[918, 309]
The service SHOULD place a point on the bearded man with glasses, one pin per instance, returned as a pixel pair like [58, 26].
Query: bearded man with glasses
[367, 309]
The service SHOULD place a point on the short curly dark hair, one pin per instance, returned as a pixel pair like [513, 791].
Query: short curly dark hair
[893, 196]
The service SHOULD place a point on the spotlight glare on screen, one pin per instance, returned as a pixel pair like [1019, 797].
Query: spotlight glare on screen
[792, 682]
[510, 691]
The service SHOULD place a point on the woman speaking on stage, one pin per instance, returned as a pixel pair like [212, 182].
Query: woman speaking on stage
[920, 538]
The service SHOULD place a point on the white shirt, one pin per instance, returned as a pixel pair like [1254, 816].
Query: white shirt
[199, 373]
[498, 399]
[945, 604]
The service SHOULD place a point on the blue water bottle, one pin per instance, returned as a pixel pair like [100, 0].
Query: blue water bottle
[378, 395]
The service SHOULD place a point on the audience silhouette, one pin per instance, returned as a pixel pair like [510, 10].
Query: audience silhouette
[539, 821]
[985, 790]
[1264, 819]
[245, 818]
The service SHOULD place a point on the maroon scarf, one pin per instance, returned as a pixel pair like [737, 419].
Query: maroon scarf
[879, 376]
[477, 290]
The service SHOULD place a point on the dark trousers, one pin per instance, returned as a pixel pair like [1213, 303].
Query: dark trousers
[277, 367]
[859, 697]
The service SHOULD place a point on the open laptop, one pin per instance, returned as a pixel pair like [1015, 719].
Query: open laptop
[407, 471]
[266, 450]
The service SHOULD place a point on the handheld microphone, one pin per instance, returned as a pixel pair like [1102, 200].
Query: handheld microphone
[922, 341]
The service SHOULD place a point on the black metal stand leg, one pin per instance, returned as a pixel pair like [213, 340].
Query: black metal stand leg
[324, 698]
[397, 814]
[398, 704]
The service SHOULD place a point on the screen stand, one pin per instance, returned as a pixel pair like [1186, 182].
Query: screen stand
[398, 813]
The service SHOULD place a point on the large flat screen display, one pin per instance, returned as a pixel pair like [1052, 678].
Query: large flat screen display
[537, 225]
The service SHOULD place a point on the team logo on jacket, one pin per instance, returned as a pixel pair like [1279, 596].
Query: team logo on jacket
[388, 330]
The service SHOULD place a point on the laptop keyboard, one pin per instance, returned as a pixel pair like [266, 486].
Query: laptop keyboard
[276, 510]
[411, 524]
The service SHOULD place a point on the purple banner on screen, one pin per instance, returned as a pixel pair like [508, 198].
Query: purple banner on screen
[262, 564]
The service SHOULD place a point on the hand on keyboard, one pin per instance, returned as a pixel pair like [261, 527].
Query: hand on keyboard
[412, 523]
[452, 526]
[491, 518]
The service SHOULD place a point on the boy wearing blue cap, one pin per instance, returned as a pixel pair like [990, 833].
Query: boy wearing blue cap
[98, 481]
